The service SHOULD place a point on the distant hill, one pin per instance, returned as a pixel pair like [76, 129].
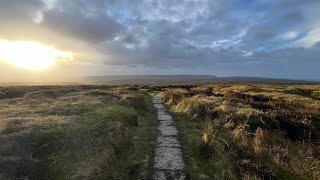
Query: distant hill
[186, 79]
[160, 79]
[149, 79]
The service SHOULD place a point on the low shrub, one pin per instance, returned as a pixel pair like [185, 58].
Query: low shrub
[236, 96]
[208, 91]
[315, 95]
[263, 106]
[261, 98]
[97, 93]
[172, 98]
[10, 94]
[298, 91]
[2, 95]
[298, 131]
[137, 102]
[195, 106]
[256, 89]
[254, 119]
[41, 94]
[133, 88]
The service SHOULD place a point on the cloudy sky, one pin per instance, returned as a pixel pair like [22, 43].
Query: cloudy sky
[270, 38]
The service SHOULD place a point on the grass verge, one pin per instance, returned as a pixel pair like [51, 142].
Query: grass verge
[85, 133]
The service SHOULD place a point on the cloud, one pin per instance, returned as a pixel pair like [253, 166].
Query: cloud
[177, 34]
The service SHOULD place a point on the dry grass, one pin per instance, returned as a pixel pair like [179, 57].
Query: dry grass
[240, 134]
[272, 131]
[258, 141]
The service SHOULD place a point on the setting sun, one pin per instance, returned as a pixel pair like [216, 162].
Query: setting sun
[30, 55]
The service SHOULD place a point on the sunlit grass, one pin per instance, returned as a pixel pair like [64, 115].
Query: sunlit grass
[272, 130]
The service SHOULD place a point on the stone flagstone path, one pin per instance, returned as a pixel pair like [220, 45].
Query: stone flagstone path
[168, 160]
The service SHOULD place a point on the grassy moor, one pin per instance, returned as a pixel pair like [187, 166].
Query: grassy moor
[159, 89]
[249, 131]
[227, 131]
[75, 132]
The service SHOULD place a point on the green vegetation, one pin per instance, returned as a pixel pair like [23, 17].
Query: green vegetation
[249, 131]
[75, 132]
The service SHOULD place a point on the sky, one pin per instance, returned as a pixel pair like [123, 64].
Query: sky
[265, 38]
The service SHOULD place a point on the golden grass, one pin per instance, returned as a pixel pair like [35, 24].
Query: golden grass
[258, 141]
[272, 131]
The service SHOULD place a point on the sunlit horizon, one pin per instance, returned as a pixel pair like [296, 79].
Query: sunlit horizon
[31, 55]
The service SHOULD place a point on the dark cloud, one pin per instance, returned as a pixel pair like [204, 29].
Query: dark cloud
[90, 29]
[19, 10]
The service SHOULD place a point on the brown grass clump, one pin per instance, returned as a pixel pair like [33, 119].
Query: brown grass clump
[248, 176]
[258, 141]
[279, 153]
[198, 106]
[173, 97]
[207, 132]
[193, 107]
[240, 134]
[212, 142]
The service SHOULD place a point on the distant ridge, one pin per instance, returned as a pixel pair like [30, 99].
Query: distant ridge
[161, 80]
[187, 79]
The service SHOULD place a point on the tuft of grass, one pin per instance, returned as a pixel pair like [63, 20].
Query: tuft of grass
[258, 141]
[240, 134]
[212, 142]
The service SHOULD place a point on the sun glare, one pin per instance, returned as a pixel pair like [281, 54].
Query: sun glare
[30, 55]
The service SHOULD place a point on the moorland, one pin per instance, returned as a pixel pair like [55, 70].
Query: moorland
[228, 131]
[75, 132]
[249, 131]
